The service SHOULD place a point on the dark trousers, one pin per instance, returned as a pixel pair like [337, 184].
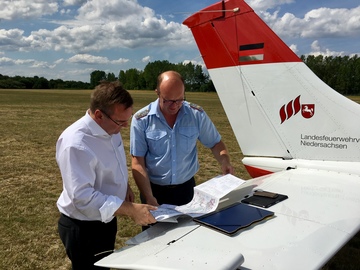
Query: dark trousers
[174, 194]
[84, 240]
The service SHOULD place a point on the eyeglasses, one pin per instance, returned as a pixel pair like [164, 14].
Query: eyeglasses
[169, 102]
[119, 123]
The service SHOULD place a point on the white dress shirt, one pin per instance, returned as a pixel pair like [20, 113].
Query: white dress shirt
[94, 172]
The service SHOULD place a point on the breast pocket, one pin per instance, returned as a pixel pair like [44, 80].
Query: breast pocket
[189, 137]
[157, 141]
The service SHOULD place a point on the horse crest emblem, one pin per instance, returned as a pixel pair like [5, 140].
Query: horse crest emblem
[293, 107]
[307, 110]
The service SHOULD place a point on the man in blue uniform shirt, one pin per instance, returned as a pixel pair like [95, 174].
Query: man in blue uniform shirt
[163, 139]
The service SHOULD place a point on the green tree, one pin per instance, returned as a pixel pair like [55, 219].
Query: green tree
[341, 72]
[40, 83]
[111, 77]
[96, 77]
[153, 69]
[11, 84]
[195, 78]
[132, 79]
[355, 78]
[57, 84]
[122, 77]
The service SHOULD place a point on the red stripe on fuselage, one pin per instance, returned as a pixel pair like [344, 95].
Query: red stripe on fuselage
[256, 172]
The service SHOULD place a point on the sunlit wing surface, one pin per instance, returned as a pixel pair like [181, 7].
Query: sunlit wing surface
[319, 217]
[177, 246]
[299, 137]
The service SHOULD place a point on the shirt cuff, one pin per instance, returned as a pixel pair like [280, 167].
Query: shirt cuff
[108, 209]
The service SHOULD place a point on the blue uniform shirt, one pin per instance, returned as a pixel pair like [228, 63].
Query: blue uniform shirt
[171, 153]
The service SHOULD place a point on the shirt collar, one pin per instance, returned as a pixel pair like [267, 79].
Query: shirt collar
[154, 107]
[95, 129]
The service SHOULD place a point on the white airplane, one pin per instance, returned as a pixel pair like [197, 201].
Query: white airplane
[299, 137]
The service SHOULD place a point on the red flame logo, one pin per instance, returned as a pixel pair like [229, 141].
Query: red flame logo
[290, 109]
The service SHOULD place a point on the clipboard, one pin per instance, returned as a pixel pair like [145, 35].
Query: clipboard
[233, 218]
[264, 201]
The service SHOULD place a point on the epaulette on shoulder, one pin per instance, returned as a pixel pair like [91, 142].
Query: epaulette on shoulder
[141, 114]
[196, 107]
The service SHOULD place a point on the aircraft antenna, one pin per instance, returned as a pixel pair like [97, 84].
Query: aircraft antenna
[237, 9]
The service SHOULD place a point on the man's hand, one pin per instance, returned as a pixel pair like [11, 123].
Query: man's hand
[140, 213]
[227, 168]
[152, 201]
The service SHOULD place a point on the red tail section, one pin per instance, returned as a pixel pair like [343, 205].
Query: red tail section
[229, 33]
[275, 104]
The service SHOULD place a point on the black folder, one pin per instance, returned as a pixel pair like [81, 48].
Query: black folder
[231, 219]
[264, 202]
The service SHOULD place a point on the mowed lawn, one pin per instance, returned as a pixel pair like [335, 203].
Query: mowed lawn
[31, 121]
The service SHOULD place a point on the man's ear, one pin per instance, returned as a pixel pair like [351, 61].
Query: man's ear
[98, 114]
[157, 91]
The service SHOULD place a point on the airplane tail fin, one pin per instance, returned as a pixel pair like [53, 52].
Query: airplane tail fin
[276, 105]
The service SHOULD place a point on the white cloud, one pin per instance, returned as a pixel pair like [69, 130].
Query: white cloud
[286, 26]
[320, 50]
[5, 61]
[261, 5]
[59, 61]
[91, 59]
[294, 48]
[146, 59]
[103, 25]
[120, 61]
[13, 39]
[41, 64]
[33, 67]
[317, 23]
[73, 2]
[326, 22]
[26, 9]
[200, 63]
[65, 11]
[113, 10]
[88, 59]
[33, 63]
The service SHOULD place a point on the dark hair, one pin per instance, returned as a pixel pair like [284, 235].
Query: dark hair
[106, 94]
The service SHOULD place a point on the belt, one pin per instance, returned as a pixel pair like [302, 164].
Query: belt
[78, 221]
[172, 186]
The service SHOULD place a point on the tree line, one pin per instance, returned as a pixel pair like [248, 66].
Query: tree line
[342, 73]
[195, 78]
[21, 82]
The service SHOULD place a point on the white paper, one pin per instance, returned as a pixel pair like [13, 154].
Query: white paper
[206, 199]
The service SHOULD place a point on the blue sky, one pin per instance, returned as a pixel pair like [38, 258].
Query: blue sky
[69, 39]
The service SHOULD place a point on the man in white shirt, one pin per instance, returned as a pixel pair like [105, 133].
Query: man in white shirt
[91, 157]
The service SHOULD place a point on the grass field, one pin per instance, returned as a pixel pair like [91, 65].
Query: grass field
[31, 121]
